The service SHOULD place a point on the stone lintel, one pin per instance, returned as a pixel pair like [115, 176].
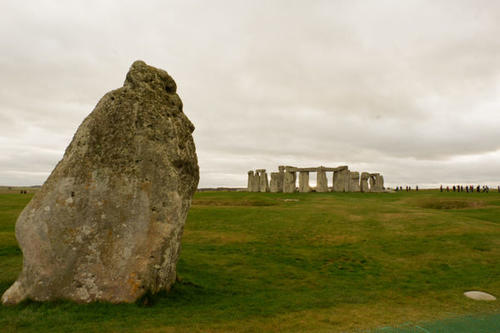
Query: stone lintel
[339, 168]
[320, 168]
[307, 169]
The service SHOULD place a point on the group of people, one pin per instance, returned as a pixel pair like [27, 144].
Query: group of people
[408, 188]
[454, 188]
[467, 188]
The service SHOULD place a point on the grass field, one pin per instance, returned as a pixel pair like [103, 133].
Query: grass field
[328, 262]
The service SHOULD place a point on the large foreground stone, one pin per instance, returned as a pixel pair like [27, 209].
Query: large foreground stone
[107, 223]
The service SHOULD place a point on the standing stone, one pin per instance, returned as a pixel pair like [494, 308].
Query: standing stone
[263, 184]
[277, 178]
[281, 179]
[338, 184]
[250, 181]
[289, 181]
[107, 223]
[380, 183]
[321, 181]
[274, 184]
[354, 181]
[256, 182]
[376, 182]
[373, 186]
[341, 180]
[304, 181]
[364, 182]
[347, 180]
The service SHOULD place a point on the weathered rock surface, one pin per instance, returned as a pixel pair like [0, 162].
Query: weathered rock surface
[277, 178]
[289, 181]
[304, 182]
[341, 180]
[274, 185]
[321, 181]
[354, 181]
[256, 182]
[281, 178]
[363, 184]
[107, 223]
[376, 182]
[250, 183]
[373, 187]
[253, 181]
[347, 180]
[263, 181]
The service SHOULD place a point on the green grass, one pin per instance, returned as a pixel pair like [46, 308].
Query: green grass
[328, 262]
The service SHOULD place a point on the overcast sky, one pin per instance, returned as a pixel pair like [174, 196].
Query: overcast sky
[410, 89]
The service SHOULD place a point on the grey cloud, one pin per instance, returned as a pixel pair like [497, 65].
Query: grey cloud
[407, 88]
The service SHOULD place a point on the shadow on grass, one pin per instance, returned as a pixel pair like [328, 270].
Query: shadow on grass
[183, 303]
[12, 250]
[486, 323]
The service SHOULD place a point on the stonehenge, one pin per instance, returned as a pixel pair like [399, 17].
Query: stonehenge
[343, 180]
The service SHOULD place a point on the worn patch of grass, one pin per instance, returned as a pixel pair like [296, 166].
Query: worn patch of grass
[254, 262]
[451, 204]
[214, 237]
[209, 202]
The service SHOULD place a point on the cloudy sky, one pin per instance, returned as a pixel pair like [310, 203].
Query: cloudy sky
[409, 88]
